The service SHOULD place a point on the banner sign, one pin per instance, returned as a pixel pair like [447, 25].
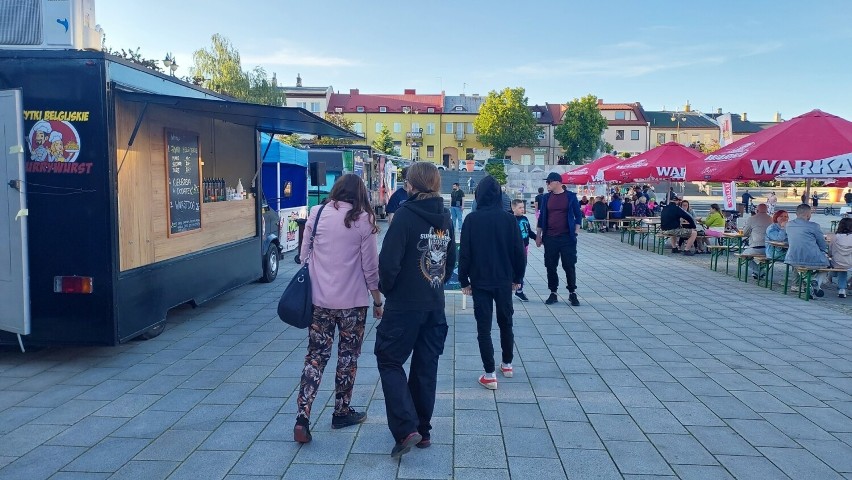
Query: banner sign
[729, 195]
[726, 129]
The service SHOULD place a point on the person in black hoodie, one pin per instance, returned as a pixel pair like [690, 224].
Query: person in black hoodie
[418, 255]
[491, 265]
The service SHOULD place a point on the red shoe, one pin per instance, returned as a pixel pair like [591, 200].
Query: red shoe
[302, 434]
[489, 383]
[507, 370]
[405, 445]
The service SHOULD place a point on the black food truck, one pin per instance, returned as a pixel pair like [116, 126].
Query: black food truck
[121, 196]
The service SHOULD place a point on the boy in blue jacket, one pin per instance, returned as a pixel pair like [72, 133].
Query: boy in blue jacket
[519, 209]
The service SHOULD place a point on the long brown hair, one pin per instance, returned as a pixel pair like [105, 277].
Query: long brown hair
[350, 188]
[425, 179]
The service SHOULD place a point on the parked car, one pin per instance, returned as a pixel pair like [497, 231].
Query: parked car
[505, 161]
[477, 166]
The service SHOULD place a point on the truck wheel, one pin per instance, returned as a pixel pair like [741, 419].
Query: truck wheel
[154, 331]
[270, 264]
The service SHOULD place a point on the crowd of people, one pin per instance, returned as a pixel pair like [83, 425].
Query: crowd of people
[404, 281]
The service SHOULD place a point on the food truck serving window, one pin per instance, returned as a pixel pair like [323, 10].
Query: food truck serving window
[183, 176]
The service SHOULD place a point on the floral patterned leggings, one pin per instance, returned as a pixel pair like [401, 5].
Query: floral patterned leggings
[350, 322]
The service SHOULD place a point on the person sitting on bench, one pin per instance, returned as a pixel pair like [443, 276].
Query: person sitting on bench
[755, 229]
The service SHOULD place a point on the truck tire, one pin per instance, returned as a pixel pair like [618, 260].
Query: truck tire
[154, 331]
[270, 264]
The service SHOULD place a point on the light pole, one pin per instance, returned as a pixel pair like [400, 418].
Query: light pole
[678, 117]
[170, 63]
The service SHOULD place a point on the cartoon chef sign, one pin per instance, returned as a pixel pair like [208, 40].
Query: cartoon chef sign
[53, 141]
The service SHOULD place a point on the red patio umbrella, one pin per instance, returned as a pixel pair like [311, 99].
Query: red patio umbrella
[815, 145]
[589, 173]
[668, 162]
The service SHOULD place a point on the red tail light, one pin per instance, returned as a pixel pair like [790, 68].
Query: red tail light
[72, 284]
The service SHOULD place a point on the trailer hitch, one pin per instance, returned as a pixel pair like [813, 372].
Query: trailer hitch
[16, 184]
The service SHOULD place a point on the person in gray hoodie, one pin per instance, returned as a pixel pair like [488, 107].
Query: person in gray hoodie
[807, 245]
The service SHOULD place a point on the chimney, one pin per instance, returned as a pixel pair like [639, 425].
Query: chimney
[298, 79]
[719, 111]
[687, 107]
[744, 117]
[475, 95]
[354, 91]
[274, 79]
[600, 101]
[777, 117]
[410, 91]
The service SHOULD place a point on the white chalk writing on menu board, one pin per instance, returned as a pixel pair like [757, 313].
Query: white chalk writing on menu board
[184, 193]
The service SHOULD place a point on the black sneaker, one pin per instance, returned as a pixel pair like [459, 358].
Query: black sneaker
[551, 299]
[572, 297]
[349, 419]
[522, 296]
[403, 447]
[675, 250]
[688, 253]
[425, 442]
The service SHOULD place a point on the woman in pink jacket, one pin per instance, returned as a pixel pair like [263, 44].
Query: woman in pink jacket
[344, 274]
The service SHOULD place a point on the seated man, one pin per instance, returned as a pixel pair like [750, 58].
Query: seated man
[670, 223]
[615, 206]
[755, 230]
[599, 209]
[807, 245]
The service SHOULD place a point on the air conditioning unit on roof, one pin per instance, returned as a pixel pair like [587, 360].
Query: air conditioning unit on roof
[49, 25]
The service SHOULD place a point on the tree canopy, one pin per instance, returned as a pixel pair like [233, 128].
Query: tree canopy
[581, 130]
[132, 55]
[384, 142]
[219, 68]
[504, 121]
[342, 122]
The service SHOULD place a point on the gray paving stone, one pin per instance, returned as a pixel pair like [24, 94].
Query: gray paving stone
[729, 407]
[327, 448]
[561, 409]
[799, 463]
[693, 413]
[835, 454]
[637, 458]
[236, 436]
[600, 402]
[797, 426]
[616, 427]
[148, 424]
[656, 420]
[479, 451]
[299, 471]
[581, 464]
[107, 456]
[434, 462]
[480, 474]
[701, 472]
[520, 415]
[174, 445]
[762, 402]
[361, 466]
[87, 432]
[828, 418]
[148, 469]
[478, 422]
[68, 413]
[41, 462]
[761, 433]
[25, 438]
[204, 417]
[207, 465]
[522, 468]
[681, 449]
[574, 435]
[722, 441]
[128, 405]
[528, 442]
[79, 476]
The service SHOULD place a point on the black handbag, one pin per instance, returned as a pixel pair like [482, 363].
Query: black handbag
[296, 306]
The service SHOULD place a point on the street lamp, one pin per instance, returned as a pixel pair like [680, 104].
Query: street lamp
[170, 63]
[678, 117]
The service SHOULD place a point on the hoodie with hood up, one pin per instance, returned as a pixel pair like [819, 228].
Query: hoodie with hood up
[492, 252]
[418, 256]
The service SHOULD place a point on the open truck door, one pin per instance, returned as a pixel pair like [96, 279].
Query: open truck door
[14, 263]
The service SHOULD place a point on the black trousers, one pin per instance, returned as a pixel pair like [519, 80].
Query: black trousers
[564, 247]
[409, 403]
[484, 301]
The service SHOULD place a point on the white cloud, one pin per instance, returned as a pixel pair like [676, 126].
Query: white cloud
[634, 59]
[297, 57]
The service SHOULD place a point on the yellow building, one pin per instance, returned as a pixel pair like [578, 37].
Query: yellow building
[458, 135]
[413, 120]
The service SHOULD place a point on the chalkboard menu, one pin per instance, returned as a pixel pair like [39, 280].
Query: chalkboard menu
[183, 174]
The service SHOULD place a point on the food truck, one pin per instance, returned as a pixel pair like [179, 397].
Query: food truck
[126, 193]
[285, 184]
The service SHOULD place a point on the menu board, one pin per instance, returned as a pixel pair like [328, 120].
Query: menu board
[183, 175]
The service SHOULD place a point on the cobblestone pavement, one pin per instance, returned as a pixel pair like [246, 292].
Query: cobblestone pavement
[666, 369]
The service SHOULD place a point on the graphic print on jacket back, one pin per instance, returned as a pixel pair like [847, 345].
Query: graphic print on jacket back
[433, 255]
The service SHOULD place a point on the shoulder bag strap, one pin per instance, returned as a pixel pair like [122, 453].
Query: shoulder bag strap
[313, 234]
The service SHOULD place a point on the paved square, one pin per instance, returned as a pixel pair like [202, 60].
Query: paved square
[666, 369]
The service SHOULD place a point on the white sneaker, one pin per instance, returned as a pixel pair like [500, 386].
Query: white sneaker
[507, 370]
[841, 293]
[488, 382]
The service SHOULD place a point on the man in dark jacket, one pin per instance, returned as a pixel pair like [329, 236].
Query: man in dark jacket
[558, 225]
[491, 265]
[418, 255]
[676, 222]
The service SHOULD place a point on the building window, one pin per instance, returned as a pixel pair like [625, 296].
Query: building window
[338, 109]
[634, 134]
[383, 109]
[536, 115]
[620, 115]
[415, 127]
[541, 135]
[397, 147]
[526, 159]
[406, 109]
[430, 128]
[468, 153]
[397, 127]
[430, 109]
[301, 105]
[359, 109]
[470, 128]
[315, 107]
[674, 137]
[661, 138]
[458, 108]
[358, 127]
[448, 127]
[430, 151]
[539, 159]
[619, 134]
[379, 127]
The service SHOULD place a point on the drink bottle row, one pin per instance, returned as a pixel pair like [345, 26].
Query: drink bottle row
[214, 190]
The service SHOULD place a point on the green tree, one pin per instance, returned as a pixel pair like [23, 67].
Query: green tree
[132, 56]
[504, 121]
[496, 170]
[294, 140]
[342, 122]
[384, 142]
[581, 129]
[219, 69]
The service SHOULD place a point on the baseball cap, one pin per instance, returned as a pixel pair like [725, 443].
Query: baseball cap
[553, 177]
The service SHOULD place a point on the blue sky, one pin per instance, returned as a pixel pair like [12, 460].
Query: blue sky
[758, 56]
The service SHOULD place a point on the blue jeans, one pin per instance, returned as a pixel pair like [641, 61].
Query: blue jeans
[842, 278]
[456, 218]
